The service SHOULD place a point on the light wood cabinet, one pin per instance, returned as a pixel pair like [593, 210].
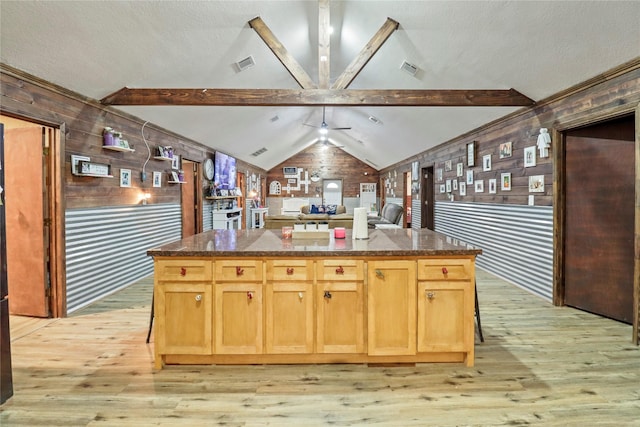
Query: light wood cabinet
[289, 314]
[340, 306]
[183, 295]
[314, 310]
[238, 307]
[445, 306]
[391, 308]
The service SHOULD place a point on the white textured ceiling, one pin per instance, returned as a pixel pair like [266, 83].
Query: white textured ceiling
[535, 47]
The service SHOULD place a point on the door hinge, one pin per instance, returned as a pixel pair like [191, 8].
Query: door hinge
[47, 222]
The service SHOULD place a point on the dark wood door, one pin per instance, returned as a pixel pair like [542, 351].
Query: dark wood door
[598, 258]
[25, 216]
[427, 198]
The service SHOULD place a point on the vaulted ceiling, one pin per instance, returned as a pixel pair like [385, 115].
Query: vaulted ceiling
[537, 48]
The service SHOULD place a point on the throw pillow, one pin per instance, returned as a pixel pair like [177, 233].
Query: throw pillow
[331, 209]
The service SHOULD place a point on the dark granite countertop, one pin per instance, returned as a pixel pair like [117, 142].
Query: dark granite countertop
[269, 243]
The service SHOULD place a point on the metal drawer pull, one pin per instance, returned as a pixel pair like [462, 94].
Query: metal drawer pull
[300, 295]
[183, 271]
[327, 294]
[444, 270]
[239, 271]
[249, 295]
[430, 295]
[379, 274]
[289, 271]
[340, 270]
[198, 298]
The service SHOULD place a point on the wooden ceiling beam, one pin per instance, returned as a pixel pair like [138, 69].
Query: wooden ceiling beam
[290, 64]
[324, 44]
[365, 54]
[315, 97]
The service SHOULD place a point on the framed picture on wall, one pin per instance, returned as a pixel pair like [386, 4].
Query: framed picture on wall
[125, 177]
[439, 175]
[454, 184]
[505, 149]
[442, 188]
[447, 165]
[415, 171]
[478, 186]
[175, 162]
[469, 177]
[505, 181]
[459, 169]
[463, 189]
[530, 156]
[448, 186]
[471, 154]
[486, 162]
[493, 186]
[536, 184]
[157, 179]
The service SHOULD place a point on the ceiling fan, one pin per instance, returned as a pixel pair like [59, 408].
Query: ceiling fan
[324, 127]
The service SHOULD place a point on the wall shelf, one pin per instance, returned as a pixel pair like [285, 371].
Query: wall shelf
[118, 148]
[94, 175]
[177, 182]
[163, 158]
[221, 197]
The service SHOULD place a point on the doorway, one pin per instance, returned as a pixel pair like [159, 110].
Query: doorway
[427, 198]
[190, 199]
[33, 212]
[599, 197]
[332, 191]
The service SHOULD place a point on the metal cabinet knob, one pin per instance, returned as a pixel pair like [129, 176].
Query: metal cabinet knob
[327, 294]
[430, 294]
[198, 297]
[249, 295]
[379, 274]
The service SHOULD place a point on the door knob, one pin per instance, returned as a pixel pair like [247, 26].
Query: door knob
[198, 298]
[327, 294]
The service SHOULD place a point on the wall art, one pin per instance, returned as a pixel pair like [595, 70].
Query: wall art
[536, 184]
[505, 150]
[478, 186]
[530, 156]
[469, 177]
[459, 169]
[471, 154]
[493, 186]
[463, 189]
[505, 181]
[125, 177]
[157, 179]
[486, 162]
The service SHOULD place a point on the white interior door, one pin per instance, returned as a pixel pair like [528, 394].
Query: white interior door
[332, 191]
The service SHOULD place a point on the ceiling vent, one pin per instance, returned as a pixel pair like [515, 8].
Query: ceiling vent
[260, 151]
[375, 120]
[409, 68]
[245, 63]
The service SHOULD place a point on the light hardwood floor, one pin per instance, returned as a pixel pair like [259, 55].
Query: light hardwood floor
[540, 365]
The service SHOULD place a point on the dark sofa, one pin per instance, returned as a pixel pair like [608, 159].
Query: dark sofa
[391, 214]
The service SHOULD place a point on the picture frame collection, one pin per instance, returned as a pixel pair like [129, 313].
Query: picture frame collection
[497, 182]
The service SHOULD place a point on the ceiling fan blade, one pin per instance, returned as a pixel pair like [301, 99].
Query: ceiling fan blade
[310, 125]
[340, 128]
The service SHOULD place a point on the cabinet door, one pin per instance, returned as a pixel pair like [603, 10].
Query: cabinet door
[391, 308]
[184, 318]
[340, 314]
[238, 318]
[443, 311]
[289, 317]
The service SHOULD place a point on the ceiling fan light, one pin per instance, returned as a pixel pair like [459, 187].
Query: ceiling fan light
[323, 130]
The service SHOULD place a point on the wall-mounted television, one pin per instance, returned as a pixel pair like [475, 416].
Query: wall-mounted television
[225, 171]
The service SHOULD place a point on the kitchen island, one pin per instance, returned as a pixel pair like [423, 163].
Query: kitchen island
[252, 297]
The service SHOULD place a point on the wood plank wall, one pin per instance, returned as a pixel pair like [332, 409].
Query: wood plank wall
[27, 97]
[331, 163]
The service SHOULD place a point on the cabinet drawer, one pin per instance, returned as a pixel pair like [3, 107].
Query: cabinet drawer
[239, 270]
[294, 269]
[444, 269]
[340, 269]
[183, 270]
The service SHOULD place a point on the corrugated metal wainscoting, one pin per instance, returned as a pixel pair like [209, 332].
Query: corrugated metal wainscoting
[516, 241]
[207, 217]
[106, 248]
[416, 213]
